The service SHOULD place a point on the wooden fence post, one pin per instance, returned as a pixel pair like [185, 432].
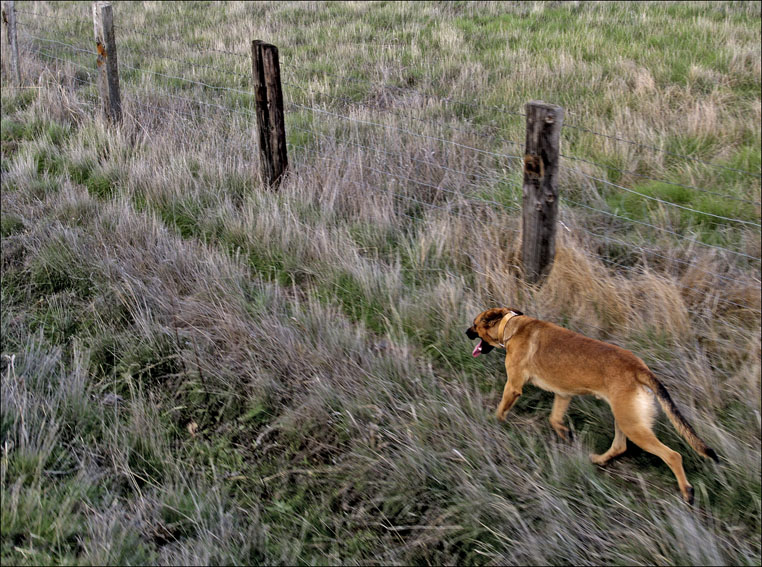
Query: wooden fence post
[540, 189]
[9, 18]
[270, 117]
[108, 70]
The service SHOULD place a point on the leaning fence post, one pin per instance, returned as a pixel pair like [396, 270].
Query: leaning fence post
[108, 70]
[270, 117]
[9, 18]
[540, 189]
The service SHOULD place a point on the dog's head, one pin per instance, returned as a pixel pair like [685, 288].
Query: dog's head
[485, 328]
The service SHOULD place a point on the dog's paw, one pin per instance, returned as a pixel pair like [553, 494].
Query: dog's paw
[563, 432]
[500, 415]
[598, 459]
[688, 495]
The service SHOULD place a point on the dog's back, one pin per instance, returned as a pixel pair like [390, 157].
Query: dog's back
[570, 363]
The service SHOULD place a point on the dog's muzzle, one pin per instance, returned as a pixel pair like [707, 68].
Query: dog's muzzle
[482, 347]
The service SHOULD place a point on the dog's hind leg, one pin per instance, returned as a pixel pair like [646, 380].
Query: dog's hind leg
[646, 440]
[618, 446]
[637, 427]
[560, 404]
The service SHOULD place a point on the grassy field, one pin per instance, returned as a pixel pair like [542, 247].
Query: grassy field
[197, 370]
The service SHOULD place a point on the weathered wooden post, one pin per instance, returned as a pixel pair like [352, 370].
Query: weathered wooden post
[270, 116]
[540, 189]
[108, 70]
[9, 18]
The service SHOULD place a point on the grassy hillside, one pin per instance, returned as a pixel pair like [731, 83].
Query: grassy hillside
[198, 370]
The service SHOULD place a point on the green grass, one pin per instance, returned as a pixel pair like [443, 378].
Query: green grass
[196, 370]
[709, 216]
[10, 224]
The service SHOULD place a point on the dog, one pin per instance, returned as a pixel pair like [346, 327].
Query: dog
[569, 364]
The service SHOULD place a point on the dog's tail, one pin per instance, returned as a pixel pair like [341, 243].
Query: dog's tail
[683, 427]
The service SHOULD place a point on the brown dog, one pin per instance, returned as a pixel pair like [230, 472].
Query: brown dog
[570, 364]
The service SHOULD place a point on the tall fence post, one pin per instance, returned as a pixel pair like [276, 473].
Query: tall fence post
[270, 117]
[9, 18]
[540, 189]
[108, 69]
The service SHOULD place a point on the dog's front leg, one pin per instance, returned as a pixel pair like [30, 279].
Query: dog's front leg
[513, 386]
[511, 393]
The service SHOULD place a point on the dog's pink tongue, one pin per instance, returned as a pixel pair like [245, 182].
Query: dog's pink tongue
[478, 349]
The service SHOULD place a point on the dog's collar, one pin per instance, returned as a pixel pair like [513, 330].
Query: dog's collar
[501, 329]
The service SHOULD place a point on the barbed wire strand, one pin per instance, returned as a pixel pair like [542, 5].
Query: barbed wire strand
[62, 75]
[504, 110]
[77, 79]
[393, 175]
[89, 102]
[662, 201]
[653, 253]
[522, 114]
[627, 172]
[90, 52]
[444, 99]
[132, 52]
[190, 113]
[665, 230]
[378, 190]
[647, 196]
[448, 100]
[229, 109]
[181, 41]
[460, 102]
[22, 24]
[580, 159]
[214, 87]
[410, 132]
[70, 46]
[56, 17]
[509, 206]
[643, 250]
[656, 149]
[634, 269]
[353, 103]
[241, 146]
[642, 270]
[376, 149]
[69, 61]
[183, 115]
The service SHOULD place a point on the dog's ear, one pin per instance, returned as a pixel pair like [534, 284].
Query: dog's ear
[492, 316]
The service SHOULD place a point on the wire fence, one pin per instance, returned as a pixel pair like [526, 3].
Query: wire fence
[664, 151]
[424, 161]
